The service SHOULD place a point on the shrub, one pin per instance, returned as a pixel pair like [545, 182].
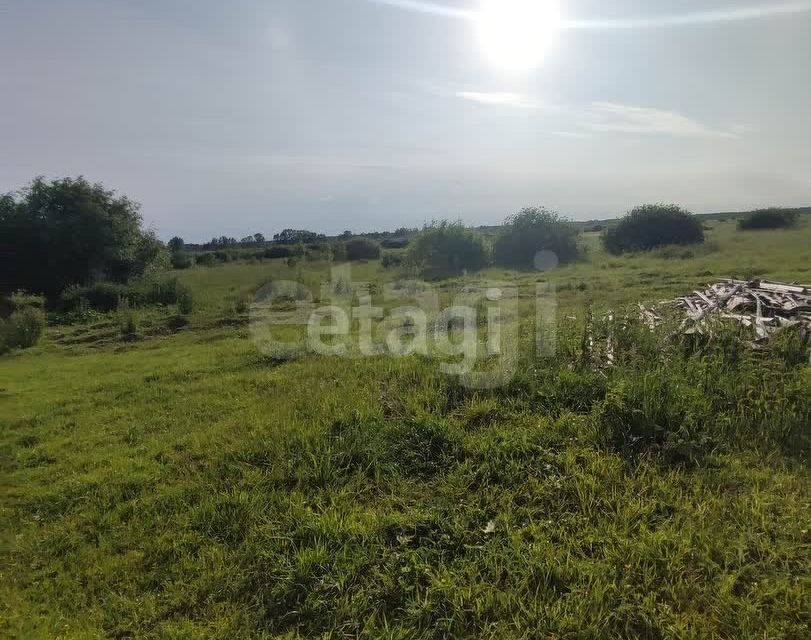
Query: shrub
[224, 256]
[448, 247]
[101, 296]
[392, 260]
[530, 231]
[339, 251]
[19, 300]
[181, 260]
[772, 218]
[653, 225]
[362, 249]
[176, 323]
[129, 330]
[185, 301]
[22, 329]
[278, 251]
[206, 259]
[395, 243]
[164, 292]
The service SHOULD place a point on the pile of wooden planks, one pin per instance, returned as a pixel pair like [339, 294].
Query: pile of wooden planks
[765, 306]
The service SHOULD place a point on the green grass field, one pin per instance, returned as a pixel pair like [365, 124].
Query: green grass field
[186, 486]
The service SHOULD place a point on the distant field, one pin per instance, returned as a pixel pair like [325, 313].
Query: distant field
[186, 486]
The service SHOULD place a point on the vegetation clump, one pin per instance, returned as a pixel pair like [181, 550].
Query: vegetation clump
[71, 232]
[22, 329]
[362, 249]
[278, 251]
[531, 231]
[181, 260]
[391, 260]
[772, 218]
[444, 248]
[653, 225]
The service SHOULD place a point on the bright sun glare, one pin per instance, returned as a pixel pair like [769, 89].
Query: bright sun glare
[515, 34]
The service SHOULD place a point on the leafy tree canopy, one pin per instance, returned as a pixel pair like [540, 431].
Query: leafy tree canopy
[176, 244]
[69, 232]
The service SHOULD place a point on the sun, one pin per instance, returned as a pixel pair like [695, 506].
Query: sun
[516, 34]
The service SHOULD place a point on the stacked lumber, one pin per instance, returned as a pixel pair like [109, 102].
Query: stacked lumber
[765, 306]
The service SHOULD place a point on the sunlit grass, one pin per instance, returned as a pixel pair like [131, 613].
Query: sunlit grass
[186, 486]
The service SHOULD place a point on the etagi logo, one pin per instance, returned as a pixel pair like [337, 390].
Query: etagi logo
[477, 333]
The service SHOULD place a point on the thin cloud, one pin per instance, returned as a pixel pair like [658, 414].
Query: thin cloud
[711, 16]
[429, 7]
[609, 117]
[618, 118]
[499, 98]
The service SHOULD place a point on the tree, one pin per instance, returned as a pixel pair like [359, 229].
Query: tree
[258, 238]
[653, 225]
[444, 248]
[70, 231]
[531, 231]
[176, 244]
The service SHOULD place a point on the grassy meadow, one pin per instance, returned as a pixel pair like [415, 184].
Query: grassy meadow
[185, 485]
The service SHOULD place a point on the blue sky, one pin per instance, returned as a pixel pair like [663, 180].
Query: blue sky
[256, 115]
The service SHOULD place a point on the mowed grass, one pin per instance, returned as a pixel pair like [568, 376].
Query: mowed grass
[185, 485]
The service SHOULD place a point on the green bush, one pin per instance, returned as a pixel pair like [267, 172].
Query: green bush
[101, 296]
[206, 259]
[19, 300]
[278, 251]
[185, 300]
[225, 256]
[164, 292]
[362, 249]
[533, 230]
[181, 260]
[391, 260]
[395, 243]
[446, 248]
[772, 218]
[129, 330]
[176, 323]
[339, 253]
[107, 296]
[22, 329]
[653, 225]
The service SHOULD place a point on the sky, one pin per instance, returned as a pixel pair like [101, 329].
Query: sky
[230, 118]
